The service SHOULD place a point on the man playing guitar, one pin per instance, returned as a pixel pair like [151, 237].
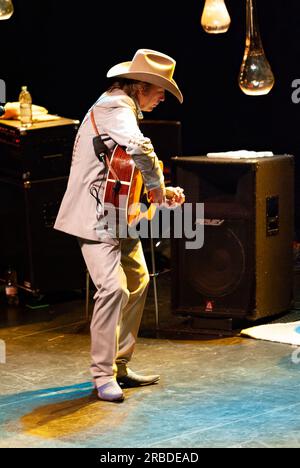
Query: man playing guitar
[117, 266]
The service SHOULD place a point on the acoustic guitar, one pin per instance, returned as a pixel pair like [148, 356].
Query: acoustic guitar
[124, 188]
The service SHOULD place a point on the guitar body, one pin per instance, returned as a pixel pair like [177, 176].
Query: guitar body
[125, 194]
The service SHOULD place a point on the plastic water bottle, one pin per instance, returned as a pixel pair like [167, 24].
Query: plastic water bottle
[11, 287]
[25, 101]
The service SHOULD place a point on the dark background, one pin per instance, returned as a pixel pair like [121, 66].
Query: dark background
[62, 49]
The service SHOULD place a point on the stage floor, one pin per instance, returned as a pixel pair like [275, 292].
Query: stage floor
[214, 391]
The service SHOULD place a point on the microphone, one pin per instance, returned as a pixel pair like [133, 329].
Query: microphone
[2, 110]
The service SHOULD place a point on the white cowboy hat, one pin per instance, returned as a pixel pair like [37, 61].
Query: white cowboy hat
[149, 66]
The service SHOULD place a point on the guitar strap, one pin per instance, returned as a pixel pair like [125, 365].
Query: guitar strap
[106, 157]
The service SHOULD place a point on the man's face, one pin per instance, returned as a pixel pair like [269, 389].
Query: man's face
[149, 99]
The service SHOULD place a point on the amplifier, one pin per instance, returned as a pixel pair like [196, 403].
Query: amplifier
[46, 260]
[42, 151]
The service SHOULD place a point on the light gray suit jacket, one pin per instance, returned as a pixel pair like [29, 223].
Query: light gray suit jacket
[116, 116]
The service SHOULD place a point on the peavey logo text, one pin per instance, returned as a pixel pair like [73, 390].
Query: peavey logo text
[210, 222]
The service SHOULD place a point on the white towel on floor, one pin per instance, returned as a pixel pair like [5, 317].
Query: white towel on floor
[279, 332]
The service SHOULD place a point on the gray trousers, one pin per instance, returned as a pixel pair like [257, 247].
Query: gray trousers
[121, 278]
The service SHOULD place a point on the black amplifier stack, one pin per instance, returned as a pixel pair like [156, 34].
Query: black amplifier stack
[34, 168]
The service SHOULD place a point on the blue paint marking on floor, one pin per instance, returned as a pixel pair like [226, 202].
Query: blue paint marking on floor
[14, 406]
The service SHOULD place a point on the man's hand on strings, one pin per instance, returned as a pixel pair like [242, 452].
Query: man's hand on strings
[174, 196]
[171, 197]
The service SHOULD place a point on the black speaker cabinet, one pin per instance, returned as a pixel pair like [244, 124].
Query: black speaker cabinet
[46, 260]
[43, 150]
[166, 138]
[245, 267]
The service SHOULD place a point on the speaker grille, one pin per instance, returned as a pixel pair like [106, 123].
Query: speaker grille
[220, 263]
